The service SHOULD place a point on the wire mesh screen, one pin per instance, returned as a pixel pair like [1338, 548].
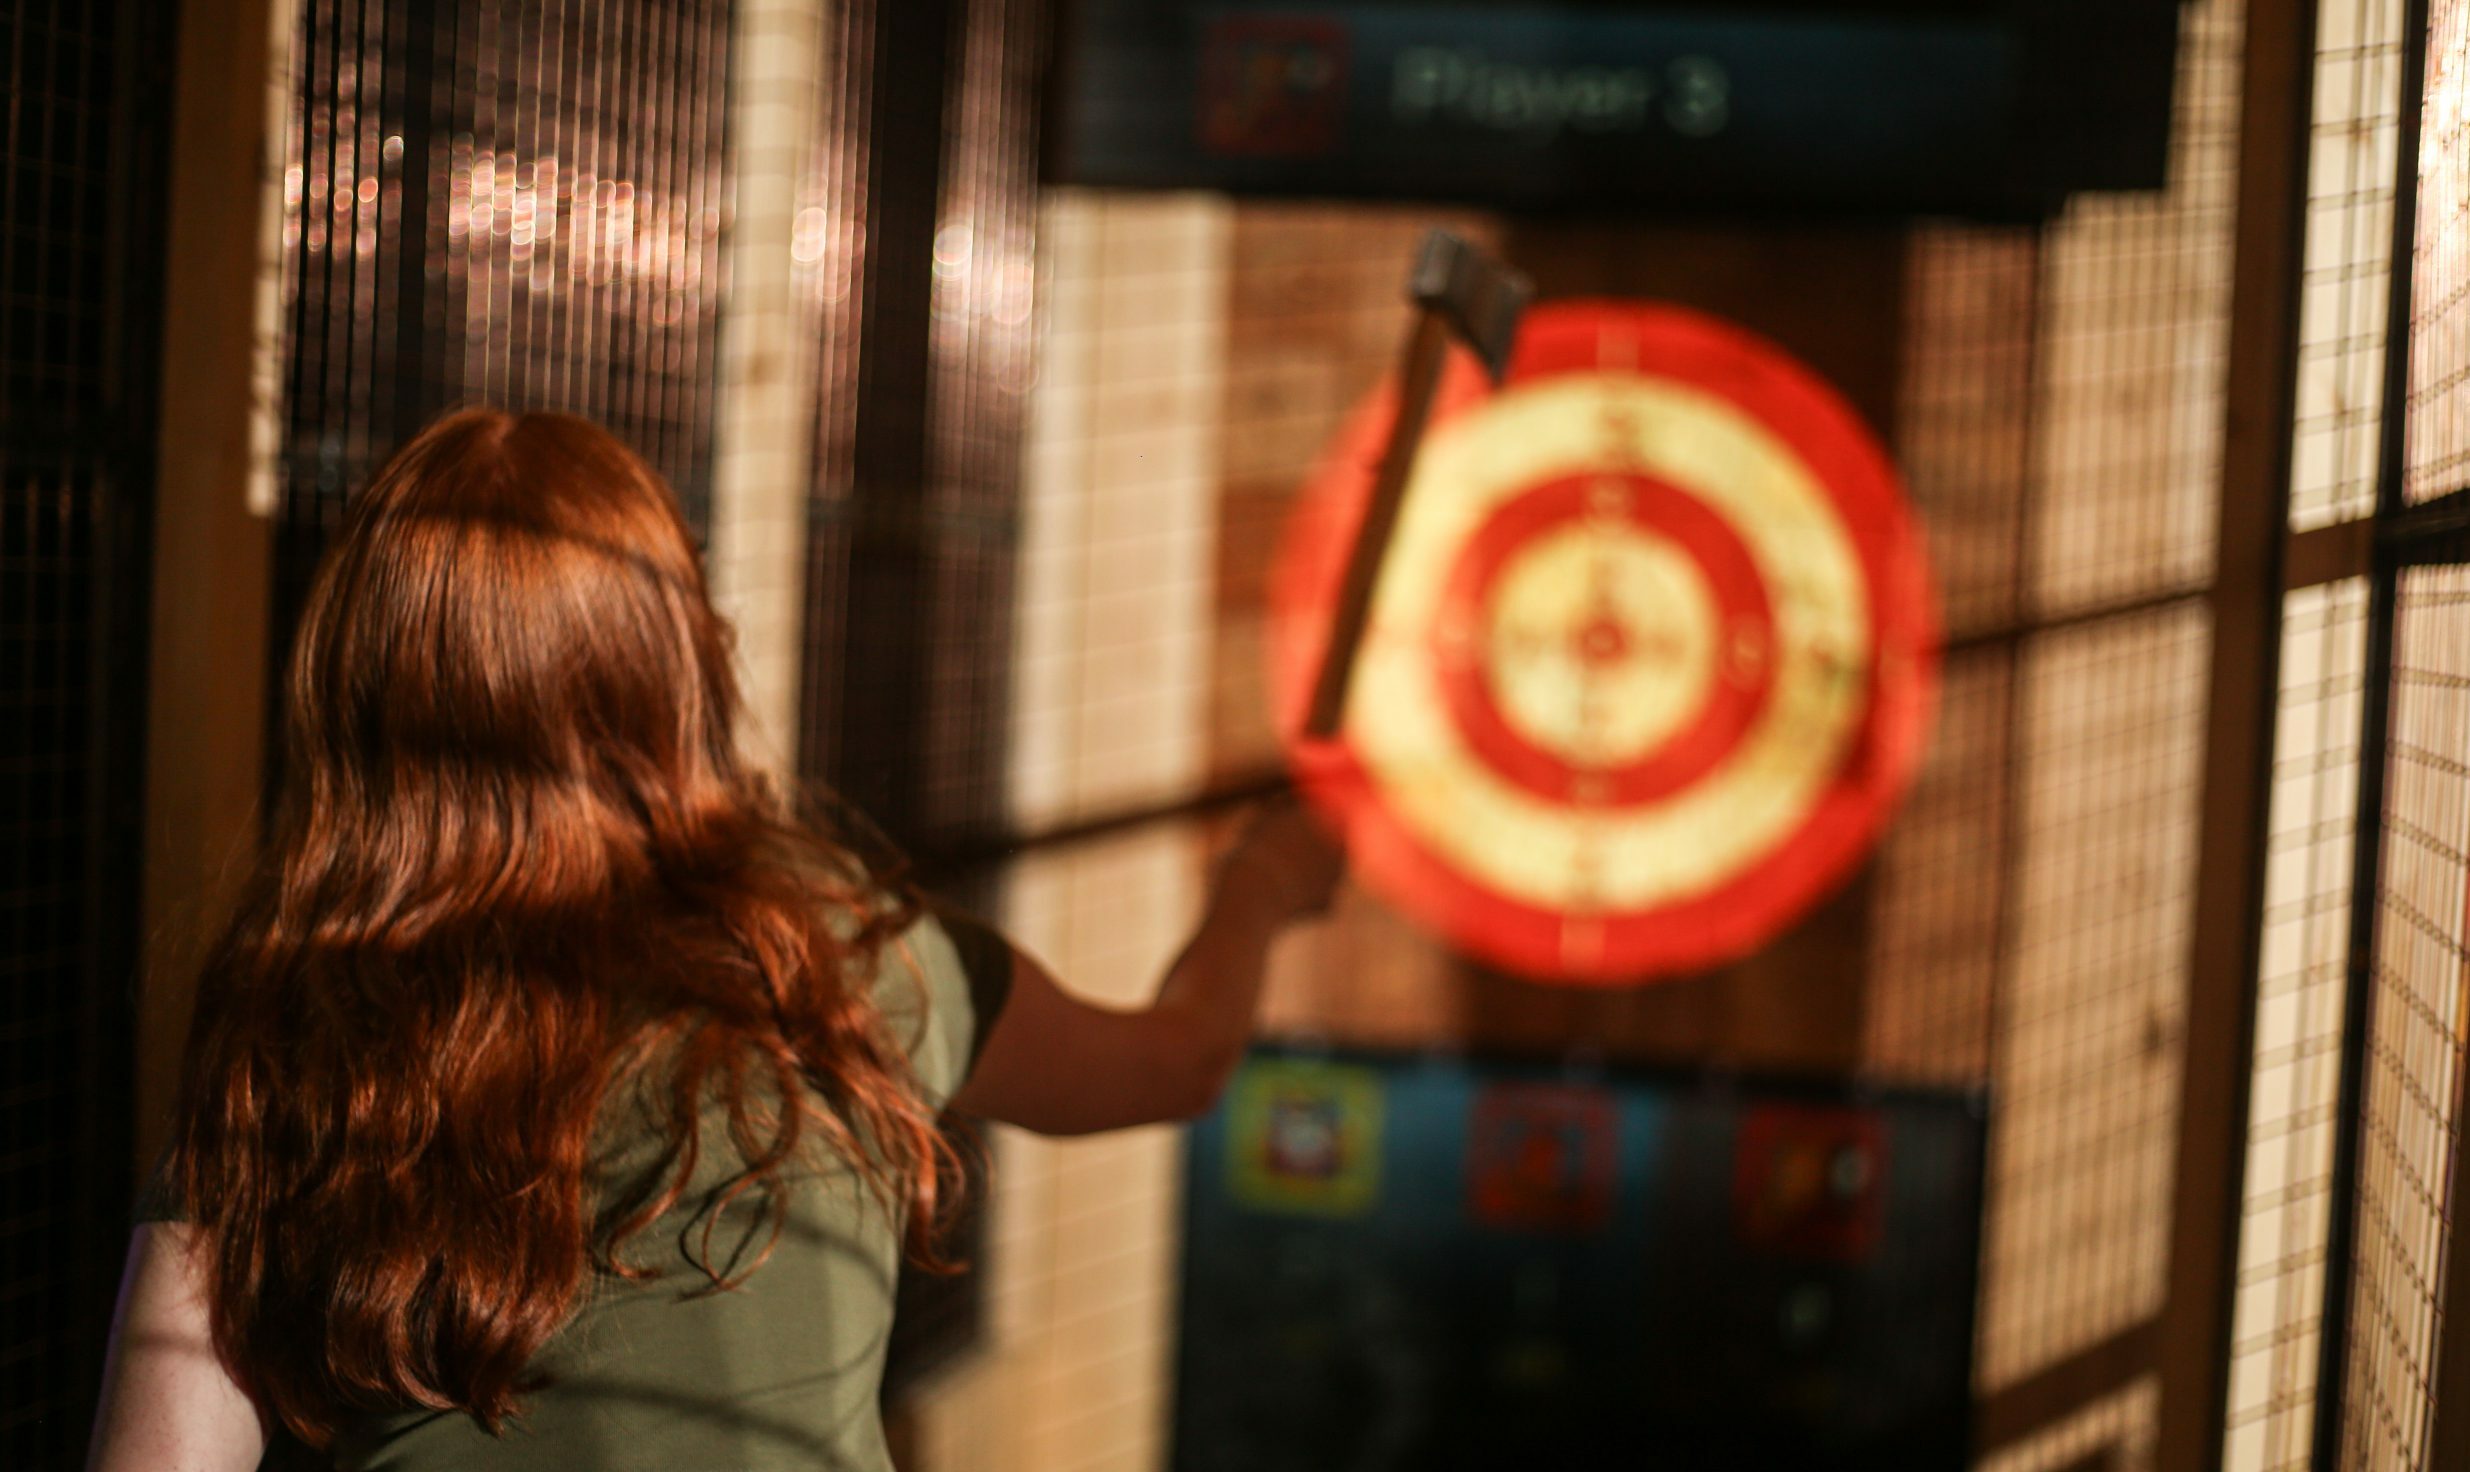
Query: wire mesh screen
[2438, 457]
[2410, 1102]
[2348, 259]
[2061, 433]
[1104, 707]
[2336, 438]
[2300, 988]
[1967, 413]
[509, 202]
[914, 506]
[2060, 429]
[981, 339]
[1965, 442]
[828, 246]
[81, 145]
[2135, 322]
[2111, 749]
[2113, 1433]
[1940, 939]
[2415, 1053]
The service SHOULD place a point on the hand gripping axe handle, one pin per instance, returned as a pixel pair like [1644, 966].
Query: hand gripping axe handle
[1457, 291]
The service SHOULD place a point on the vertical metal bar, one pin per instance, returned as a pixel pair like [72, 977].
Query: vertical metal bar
[118, 461]
[2448, 1441]
[212, 556]
[879, 756]
[2367, 852]
[2011, 787]
[2261, 398]
[412, 239]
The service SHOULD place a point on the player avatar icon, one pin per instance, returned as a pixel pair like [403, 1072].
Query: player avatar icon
[1273, 86]
[1543, 1158]
[1809, 1182]
[1307, 1137]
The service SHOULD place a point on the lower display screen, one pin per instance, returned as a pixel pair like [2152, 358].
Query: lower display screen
[1399, 1261]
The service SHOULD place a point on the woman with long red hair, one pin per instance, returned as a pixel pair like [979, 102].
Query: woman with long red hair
[554, 1100]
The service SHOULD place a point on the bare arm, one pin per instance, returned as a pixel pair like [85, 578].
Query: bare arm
[168, 1404]
[1062, 1066]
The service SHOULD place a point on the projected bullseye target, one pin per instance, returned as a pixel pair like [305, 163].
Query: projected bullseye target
[1650, 656]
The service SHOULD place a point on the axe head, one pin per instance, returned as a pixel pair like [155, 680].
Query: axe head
[1478, 297]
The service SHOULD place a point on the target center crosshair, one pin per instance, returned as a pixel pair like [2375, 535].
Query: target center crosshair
[1594, 635]
[1604, 640]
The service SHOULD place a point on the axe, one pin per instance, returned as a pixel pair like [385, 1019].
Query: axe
[1457, 290]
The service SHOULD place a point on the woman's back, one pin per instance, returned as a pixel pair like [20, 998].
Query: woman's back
[666, 1373]
[551, 1099]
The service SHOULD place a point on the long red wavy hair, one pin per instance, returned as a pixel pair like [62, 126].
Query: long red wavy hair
[515, 858]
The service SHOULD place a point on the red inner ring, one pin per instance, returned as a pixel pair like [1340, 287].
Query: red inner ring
[1690, 752]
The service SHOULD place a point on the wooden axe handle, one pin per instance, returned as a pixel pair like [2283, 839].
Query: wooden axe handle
[1426, 351]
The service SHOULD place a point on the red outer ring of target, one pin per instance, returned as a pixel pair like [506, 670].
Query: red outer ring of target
[1688, 753]
[1743, 912]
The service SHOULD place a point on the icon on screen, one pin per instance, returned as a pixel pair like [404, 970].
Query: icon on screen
[1810, 1182]
[1542, 1158]
[1273, 86]
[1307, 1138]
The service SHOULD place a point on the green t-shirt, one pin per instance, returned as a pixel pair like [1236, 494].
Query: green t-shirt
[781, 1372]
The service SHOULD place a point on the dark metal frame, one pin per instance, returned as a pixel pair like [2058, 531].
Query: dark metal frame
[879, 761]
[80, 1234]
[2401, 536]
[881, 575]
[2380, 547]
[2261, 401]
[141, 159]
